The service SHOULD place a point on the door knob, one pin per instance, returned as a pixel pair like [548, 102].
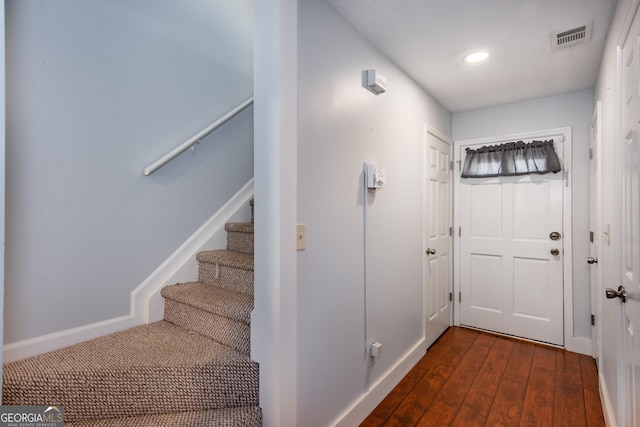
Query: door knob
[592, 260]
[431, 251]
[620, 293]
[555, 252]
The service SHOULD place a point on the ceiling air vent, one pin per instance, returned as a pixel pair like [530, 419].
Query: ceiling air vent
[571, 37]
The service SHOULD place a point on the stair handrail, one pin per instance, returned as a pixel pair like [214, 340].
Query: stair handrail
[195, 139]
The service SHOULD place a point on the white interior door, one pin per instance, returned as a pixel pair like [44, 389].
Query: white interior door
[511, 278]
[629, 294]
[437, 239]
[595, 236]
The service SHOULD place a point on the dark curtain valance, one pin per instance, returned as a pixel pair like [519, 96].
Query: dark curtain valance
[512, 158]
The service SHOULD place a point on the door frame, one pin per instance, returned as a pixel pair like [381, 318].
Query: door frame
[567, 259]
[428, 129]
[595, 194]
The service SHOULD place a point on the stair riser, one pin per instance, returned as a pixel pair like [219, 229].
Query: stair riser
[226, 331]
[234, 279]
[142, 391]
[240, 242]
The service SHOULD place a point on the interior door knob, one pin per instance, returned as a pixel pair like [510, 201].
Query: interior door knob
[555, 252]
[431, 251]
[592, 260]
[620, 293]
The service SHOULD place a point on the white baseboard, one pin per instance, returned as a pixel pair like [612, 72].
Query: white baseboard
[42, 344]
[146, 302]
[580, 345]
[360, 409]
[607, 408]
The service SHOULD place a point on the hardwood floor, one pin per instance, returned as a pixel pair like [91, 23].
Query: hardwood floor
[471, 378]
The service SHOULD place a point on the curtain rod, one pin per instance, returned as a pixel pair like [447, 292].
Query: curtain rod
[533, 138]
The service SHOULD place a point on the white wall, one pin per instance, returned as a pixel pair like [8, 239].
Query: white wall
[571, 109]
[340, 126]
[607, 92]
[96, 90]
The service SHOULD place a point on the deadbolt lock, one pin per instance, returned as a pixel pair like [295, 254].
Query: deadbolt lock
[554, 235]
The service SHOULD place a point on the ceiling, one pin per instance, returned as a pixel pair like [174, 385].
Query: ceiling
[428, 39]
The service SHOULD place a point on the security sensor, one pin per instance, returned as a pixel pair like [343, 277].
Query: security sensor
[374, 82]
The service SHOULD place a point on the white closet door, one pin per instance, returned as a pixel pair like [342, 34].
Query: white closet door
[437, 239]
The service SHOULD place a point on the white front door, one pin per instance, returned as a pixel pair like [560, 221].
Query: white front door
[437, 239]
[630, 231]
[511, 269]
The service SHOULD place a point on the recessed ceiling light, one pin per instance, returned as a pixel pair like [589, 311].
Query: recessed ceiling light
[476, 57]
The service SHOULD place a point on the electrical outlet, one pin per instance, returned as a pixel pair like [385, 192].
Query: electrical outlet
[301, 239]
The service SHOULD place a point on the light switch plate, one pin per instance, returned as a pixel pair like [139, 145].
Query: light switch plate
[301, 236]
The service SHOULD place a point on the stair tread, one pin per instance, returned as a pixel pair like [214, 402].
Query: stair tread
[154, 345]
[248, 416]
[240, 227]
[240, 260]
[213, 299]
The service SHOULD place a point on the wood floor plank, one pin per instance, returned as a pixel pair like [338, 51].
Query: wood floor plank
[569, 370]
[595, 416]
[539, 399]
[589, 372]
[507, 406]
[569, 408]
[545, 357]
[446, 403]
[475, 407]
[413, 407]
[592, 401]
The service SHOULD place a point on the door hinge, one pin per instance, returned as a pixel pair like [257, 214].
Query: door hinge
[591, 236]
[459, 296]
[593, 320]
[450, 231]
[459, 231]
[450, 296]
[590, 153]
[451, 165]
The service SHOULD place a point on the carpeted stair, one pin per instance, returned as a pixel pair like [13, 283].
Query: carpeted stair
[191, 369]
